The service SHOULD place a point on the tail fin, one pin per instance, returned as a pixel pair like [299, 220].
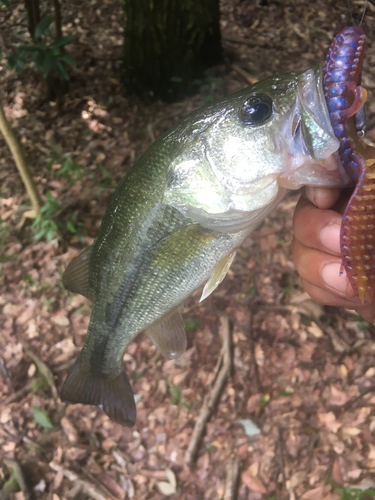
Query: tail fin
[113, 396]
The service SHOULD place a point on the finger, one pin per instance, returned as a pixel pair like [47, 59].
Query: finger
[322, 197]
[326, 297]
[317, 228]
[322, 271]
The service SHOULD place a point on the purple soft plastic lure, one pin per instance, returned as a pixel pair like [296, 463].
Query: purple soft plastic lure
[344, 97]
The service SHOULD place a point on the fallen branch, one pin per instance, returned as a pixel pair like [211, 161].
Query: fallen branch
[231, 484]
[281, 460]
[213, 397]
[252, 349]
[23, 169]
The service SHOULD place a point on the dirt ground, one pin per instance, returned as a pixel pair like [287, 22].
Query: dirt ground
[299, 407]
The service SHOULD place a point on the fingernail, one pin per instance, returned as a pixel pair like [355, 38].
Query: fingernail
[336, 281]
[330, 237]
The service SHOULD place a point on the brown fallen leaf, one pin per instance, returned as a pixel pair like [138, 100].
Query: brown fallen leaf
[314, 494]
[253, 483]
[329, 420]
[337, 397]
[336, 474]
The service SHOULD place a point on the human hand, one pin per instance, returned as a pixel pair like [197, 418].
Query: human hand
[316, 250]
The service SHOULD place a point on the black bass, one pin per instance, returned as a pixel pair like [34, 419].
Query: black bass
[177, 218]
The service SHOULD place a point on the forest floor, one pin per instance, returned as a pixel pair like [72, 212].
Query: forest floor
[298, 410]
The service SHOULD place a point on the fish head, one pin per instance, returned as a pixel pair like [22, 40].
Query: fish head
[237, 159]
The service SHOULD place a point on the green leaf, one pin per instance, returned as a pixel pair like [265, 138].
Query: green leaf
[42, 418]
[191, 324]
[43, 26]
[5, 2]
[48, 64]
[176, 393]
[67, 58]
[60, 68]
[64, 40]
[50, 196]
[50, 234]
[40, 234]
[71, 227]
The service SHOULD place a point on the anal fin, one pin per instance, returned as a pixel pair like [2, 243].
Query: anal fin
[112, 395]
[217, 275]
[168, 335]
[76, 275]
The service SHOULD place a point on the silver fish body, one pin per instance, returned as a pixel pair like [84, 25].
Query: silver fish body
[178, 216]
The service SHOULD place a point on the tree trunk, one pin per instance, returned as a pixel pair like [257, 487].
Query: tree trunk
[33, 15]
[57, 8]
[168, 44]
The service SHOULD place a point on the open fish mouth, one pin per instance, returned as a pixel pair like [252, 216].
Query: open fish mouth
[345, 98]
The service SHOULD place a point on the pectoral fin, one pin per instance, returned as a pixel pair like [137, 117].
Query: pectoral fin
[217, 275]
[76, 276]
[169, 335]
[112, 395]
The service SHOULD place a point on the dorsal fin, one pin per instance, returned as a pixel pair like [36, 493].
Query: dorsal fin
[168, 335]
[76, 275]
[217, 276]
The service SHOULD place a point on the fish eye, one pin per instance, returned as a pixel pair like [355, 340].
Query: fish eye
[256, 110]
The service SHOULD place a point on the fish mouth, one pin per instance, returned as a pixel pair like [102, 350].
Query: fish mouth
[313, 158]
[331, 112]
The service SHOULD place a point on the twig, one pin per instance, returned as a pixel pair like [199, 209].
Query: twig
[280, 458]
[233, 473]
[277, 309]
[4, 371]
[251, 42]
[352, 401]
[212, 398]
[150, 132]
[252, 348]
[20, 161]
[250, 79]
[44, 371]
[98, 483]
[15, 482]
[19, 394]
[80, 485]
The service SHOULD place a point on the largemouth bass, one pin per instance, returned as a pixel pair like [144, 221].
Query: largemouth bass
[177, 218]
